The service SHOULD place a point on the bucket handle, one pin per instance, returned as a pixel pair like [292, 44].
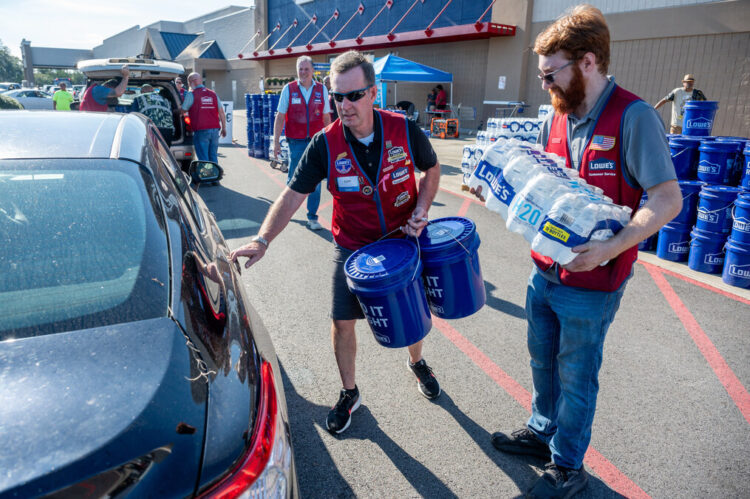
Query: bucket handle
[683, 150]
[419, 249]
[722, 209]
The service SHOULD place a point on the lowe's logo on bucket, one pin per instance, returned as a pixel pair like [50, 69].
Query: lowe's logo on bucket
[706, 166]
[678, 247]
[714, 259]
[741, 224]
[739, 271]
[702, 123]
[711, 217]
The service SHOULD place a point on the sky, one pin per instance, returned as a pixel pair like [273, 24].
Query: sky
[84, 24]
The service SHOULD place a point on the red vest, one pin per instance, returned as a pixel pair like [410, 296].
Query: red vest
[89, 104]
[304, 119]
[602, 166]
[364, 212]
[204, 113]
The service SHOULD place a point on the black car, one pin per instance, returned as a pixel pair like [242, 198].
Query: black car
[130, 359]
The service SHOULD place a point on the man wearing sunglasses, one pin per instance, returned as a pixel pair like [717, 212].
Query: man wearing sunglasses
[370, 158]
[303, 111]
[616, 141]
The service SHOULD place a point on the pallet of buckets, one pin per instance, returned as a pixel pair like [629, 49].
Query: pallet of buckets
[712, 232]
[261, 114]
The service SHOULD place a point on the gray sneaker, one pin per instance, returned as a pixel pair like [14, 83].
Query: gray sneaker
[559, 482]
[314, 225]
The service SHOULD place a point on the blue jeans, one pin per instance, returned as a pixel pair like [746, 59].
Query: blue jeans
[566, 330]
[206, 144]
[296, 148]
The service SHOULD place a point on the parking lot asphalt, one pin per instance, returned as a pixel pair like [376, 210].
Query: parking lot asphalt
[673, 415]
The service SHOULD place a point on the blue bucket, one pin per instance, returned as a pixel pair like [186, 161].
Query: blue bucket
[741, 219]
[690, 190]
[715, 208]
[737, 264]
[649, 243]
[706, 251]
[745, 179]
[698, 117]
[674, 242]
[386, 278]
[452, 275]
[684, 151]
[716, 161]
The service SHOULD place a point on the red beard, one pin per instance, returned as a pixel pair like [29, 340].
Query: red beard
[567, 101]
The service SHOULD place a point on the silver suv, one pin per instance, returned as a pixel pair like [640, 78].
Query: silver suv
[159, 74]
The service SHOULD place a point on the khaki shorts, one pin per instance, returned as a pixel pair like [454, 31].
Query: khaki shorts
[675, 129]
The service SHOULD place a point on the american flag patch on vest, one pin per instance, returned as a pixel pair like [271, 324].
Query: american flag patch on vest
[602, 143]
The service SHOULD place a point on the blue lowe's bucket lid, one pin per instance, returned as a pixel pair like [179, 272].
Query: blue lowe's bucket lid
[719, 146]
[737, 246]
[382, 263]
[690, 185]
[684, 141]
[444, 231]
[731, 138]
[702, 104]
[722, 191]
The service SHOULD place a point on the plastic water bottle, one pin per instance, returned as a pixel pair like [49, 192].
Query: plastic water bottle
[488, 175]
[532, 202]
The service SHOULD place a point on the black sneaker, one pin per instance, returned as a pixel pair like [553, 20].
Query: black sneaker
[426, 382]
[340, 415]
[559, 482]
[522, 441]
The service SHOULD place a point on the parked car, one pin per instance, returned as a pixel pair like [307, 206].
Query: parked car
[161, 75]
[31, 99]
[78, 91]
[131, 361]
[8, 85]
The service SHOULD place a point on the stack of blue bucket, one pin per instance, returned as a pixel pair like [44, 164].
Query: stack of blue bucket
[257, 124]
[712, 173]
[249, 115]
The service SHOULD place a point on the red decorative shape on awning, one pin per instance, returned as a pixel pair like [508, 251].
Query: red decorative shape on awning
[447, 34]
[359, 11]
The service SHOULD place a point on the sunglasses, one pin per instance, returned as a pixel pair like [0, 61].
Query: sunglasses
[352, 96]
[550, 77]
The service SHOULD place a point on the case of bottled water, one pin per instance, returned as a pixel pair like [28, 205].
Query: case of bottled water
[543, 200]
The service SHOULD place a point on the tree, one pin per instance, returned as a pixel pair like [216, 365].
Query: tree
[47, 76]
[9, 103]
[10, 65]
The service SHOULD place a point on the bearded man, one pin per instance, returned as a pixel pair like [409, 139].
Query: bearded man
[615, 141]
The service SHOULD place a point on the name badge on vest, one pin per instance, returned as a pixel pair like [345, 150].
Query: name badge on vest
[348, 184]
[296, 100]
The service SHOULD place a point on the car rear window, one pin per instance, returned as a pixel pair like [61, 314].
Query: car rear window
[82, 245]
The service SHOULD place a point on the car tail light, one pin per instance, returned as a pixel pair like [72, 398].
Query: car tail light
[188, 127]
[264, 471]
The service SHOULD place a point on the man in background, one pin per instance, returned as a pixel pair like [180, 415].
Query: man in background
[207, 118]
[303, 111]
[158, 109]
[678, 97]
[62, 99]
[95, 97]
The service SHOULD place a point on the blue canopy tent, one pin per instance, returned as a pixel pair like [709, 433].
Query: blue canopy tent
[394, 69]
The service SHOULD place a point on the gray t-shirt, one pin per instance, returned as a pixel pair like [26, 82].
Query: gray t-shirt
[648, 161]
